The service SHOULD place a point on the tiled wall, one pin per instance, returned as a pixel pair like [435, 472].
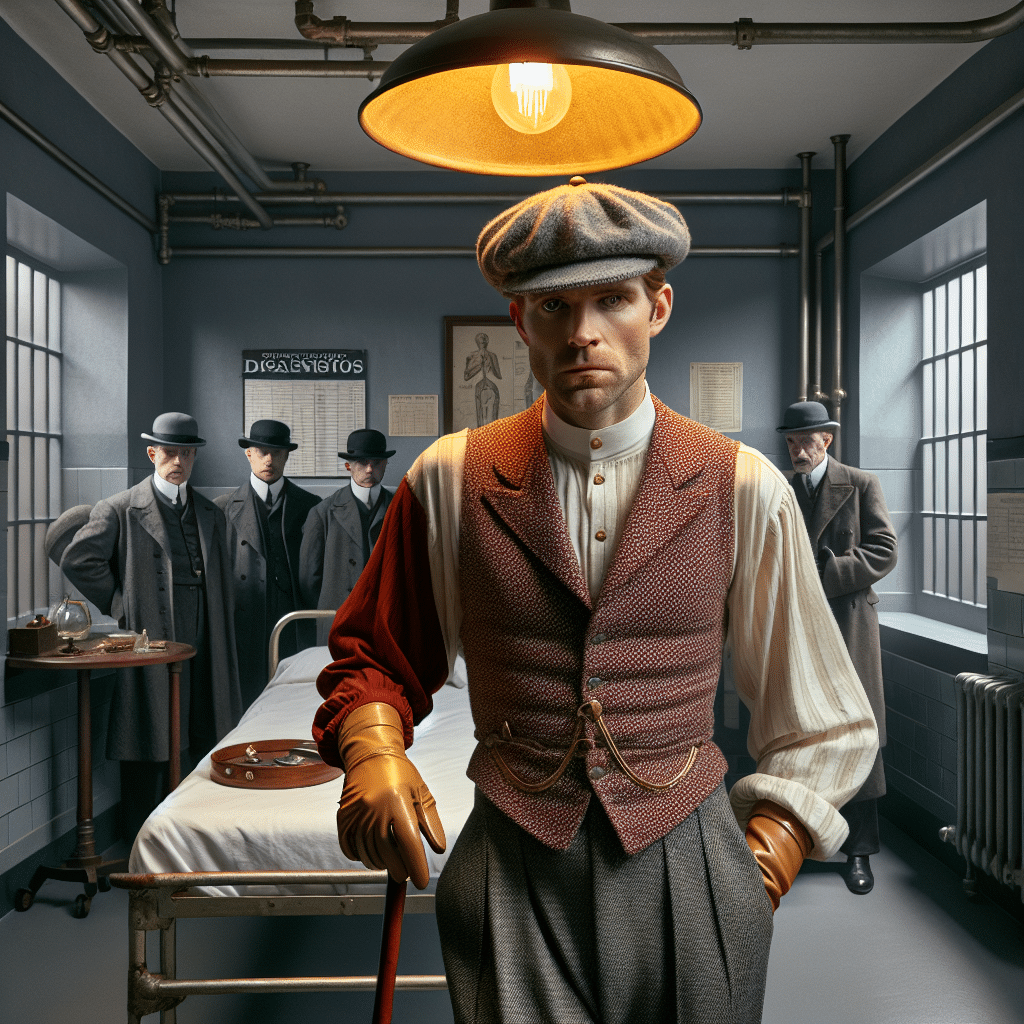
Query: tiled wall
[920, 713]
[39, 724]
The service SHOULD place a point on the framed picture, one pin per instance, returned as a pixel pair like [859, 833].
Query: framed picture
[487, 371]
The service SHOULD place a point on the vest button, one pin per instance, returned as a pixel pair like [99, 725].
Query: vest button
[597, 772]
[600, 535]
[598, 638]
[594, 682]
[595, 443]
[598, 479]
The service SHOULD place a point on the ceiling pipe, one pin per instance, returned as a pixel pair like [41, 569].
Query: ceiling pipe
[165, 47]
[743, 34]
[838, 395]
[75, 168]
[445, 198]
[157, 96]
[805, 272]
[278, 251]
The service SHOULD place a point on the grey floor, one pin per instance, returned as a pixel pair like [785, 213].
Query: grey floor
[914, 951]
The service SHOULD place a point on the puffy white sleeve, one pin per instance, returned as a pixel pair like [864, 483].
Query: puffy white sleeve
[812, 732]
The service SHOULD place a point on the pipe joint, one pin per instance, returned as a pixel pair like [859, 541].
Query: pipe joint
[339, 220]
[101, 40]
[199, 67]
[745, 33]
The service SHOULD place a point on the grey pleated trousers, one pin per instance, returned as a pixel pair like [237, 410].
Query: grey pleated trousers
[679, 932]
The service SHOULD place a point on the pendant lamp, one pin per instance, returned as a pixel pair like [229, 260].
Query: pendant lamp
[530, 89]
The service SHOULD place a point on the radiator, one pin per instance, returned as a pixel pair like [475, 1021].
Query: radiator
[989, 831]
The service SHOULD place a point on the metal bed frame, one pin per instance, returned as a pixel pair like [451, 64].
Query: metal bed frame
[157, 901]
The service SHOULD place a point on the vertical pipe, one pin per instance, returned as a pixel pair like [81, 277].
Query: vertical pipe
[805, 274]
[817, 395]
[839, 286]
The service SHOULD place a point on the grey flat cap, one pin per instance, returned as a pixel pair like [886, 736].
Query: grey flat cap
[578, 235]
[61, 531]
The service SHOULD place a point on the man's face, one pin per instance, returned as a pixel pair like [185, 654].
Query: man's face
[807, 449]
[589, 347]
[367, 472]
[172, 464]
[267, 463]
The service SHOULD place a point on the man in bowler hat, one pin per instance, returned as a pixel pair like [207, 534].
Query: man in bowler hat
[156, 558]
[592, 556]
[265, 519]
[341, 531]
[854, 544]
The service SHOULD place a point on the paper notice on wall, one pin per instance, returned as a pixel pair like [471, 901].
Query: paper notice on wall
[716, 395]
[412, 415]
[1006, 541]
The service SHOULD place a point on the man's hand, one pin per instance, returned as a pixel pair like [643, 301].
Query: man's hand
[385, 804]
[779, 844]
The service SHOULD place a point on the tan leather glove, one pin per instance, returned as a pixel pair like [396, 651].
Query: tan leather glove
[779, 844]
[384, 805]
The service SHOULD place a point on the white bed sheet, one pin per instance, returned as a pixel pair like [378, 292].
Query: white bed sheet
[204, 826]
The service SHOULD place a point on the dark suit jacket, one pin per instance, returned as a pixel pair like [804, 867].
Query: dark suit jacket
[332, 557]
[121, 561]
[249, 562]
[855, 544]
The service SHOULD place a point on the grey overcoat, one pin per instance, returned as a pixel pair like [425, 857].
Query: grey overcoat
[121, 561]
[855, 544]
[249, 560]
[331, 558]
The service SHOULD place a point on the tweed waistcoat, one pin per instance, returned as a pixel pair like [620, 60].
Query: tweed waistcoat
[648, 646]
[186, 548]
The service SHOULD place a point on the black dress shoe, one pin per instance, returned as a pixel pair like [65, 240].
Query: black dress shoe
[857, 875]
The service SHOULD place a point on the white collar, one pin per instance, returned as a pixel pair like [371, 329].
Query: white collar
[362, 493]
[168, 491]
[261, 487]
[612, 442]
[815, 476]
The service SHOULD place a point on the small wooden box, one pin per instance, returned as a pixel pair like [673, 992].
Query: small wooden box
[36, 640]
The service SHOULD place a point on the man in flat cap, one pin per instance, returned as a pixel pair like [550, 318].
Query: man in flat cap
[156, 558]
[341, 531]
[854, 543]
[265, 520]
[593, 556]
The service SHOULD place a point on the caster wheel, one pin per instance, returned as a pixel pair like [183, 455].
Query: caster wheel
[23, 899]
[103, 883]
[81, 907]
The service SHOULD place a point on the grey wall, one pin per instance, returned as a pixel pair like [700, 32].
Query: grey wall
[726, 309]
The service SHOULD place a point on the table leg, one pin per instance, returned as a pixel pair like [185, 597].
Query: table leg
[174, 763]
[85, 847]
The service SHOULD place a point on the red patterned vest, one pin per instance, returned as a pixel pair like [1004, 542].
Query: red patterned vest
[648, 647]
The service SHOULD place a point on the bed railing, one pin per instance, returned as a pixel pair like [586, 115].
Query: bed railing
[275, 636]
[158, 901]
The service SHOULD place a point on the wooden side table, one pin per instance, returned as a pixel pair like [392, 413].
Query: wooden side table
[85, 865]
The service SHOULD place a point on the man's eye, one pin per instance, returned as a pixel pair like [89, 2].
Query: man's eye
[552, 305]
[612, 300]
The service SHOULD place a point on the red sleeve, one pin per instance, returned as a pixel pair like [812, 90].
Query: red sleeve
[386, 638]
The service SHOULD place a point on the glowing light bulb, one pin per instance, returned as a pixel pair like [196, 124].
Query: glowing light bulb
[531, 98]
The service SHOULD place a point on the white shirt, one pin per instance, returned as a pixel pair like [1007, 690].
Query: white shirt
[817, 474]
[169, 491]
[261, 487]
[812, 731]
[362, 493]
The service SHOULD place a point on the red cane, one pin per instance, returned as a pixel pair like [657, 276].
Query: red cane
[394, 907]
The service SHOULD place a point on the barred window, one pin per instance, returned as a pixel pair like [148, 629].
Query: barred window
[33, 432]
[954, 369]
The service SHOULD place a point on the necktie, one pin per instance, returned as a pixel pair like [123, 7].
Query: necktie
[177, 501]
[804, 483]
[369, 500]
[270, 499]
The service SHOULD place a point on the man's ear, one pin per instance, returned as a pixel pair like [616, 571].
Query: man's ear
[517, 317]
[826, 439]
[151, 452]
[661, 310]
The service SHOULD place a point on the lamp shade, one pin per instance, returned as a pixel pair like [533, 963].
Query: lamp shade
[434, 103]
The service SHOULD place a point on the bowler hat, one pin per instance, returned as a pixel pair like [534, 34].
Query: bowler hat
[804, 416]
[366, 444]
[578, 235]
[61, 531]
[177, 429]
[268, 434]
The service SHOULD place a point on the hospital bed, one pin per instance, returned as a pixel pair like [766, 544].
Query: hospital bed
[211, 850]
